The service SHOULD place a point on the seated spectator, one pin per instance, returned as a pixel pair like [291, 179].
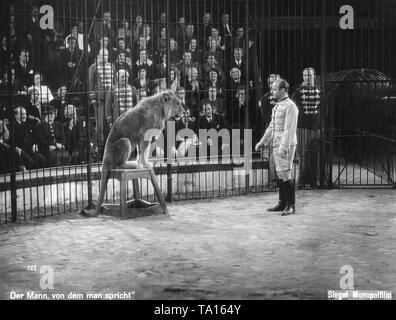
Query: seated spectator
[120, 98]
[161, 41]
[210, 120]
[160, 85]
[34, 106]
[125, 32]
[24, 69]
[122, 63]
[104, 28]
[137, 29]
[61, 100]
[235, 80]
[76, 143]
[193, 88]
[18, 90]
[142, 83]
[215, 102]
[69, 62]
[239, 41]
[184, 143]
[51, 139]
[122, 35]
[186, 65]
[174, 52]
[213, 64]
[180, 31]
[121, 48]
[149, 40]
[6, 156]
[160, 70]
[206, 29]
[181, 94]
[213, 49]
[215, 36]
[174, 79]
[196, 53]
[144, 62]
[214, 81]
[189, 35]
[238, 105]
[45, 93]
[80, 39]
[141, 45]
[239, 62]
[26, 144]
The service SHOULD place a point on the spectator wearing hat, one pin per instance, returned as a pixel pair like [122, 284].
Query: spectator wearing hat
[25, 140]
[51, 138]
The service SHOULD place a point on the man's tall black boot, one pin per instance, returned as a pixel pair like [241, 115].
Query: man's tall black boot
[290, 198]
[282, 201]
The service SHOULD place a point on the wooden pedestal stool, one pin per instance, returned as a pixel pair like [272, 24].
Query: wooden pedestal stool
[136, 207]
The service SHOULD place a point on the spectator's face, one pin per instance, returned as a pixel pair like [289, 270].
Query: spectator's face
[163, 17]
[172, 44]
[21, 115]
[142, 74]
[309, 77]
[241, 95]
[187, 57]
[181, 94]
[121, 58]
[23, 57]
[121, 33]
[74, 31]
[238, 54]
[106, 16]
[208, 110]
[103, 56]
[4, 41]
[80, 28]
[50, 117]
[105, 42]
[193, 44]
[35, 96]
[37, 80]
[212, 93]
[240, 32]
[235, 74]
[143, 56]
[121, 44]
[182, 21]
[35, 12]
[139, 20]
[146, 31]
[194, 73]
[142, 42]
[213, 76]
[172, 75]
[225, 18]
[122, 78]
[206, 18]
[215, 33]
[62, 91]
[190, 30]
[163, 33]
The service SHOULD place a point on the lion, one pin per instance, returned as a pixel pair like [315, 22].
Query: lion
[128, 132]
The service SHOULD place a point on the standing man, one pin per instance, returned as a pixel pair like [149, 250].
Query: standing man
[307, 98]
[100, 81]
[282, 133]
